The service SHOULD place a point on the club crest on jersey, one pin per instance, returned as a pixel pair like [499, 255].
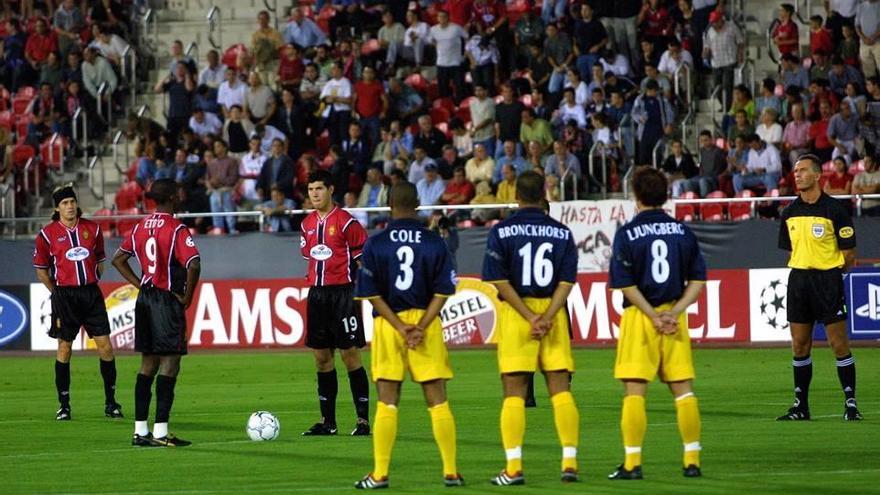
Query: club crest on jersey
[321, 252]
[818, 230]
[85, 234]
[332, 230]
[77, 253]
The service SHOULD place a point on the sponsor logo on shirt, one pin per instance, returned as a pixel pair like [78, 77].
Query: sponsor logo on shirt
[846, 232]
[77, 253]
[321, 252]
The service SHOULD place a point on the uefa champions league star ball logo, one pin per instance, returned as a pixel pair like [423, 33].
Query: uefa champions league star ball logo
[773, 304]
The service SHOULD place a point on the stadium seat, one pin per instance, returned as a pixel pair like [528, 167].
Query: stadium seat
[53, 155]
[857, 168]
[6, 120]
[323, 20]
[105, 224]
[433, 90]
[20, 104]
[22, 124]
[445, 103]
[429, 15]
[828, 167]
[686, 212]
[125, 226]
[439, 115]
[417, 82]
[713, 212]
[741, 210]
[128, 196]
[464, 114]
[721, 143]
[21, 153]
[516, 9]
[370, 47]
[230, 56]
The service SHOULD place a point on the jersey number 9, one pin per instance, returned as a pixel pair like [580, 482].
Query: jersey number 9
[150, 249]
[542, 269]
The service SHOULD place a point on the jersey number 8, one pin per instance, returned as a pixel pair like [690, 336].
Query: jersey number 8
[541, 270]
[659, 263]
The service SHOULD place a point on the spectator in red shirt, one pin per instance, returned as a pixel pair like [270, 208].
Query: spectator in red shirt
[460, 11]
[822, 146]
[369, 104]
[839, 181]
[291, 68]
[36, 51]
[820, 37]
[656, 23]
[785, 34]
[459, 190]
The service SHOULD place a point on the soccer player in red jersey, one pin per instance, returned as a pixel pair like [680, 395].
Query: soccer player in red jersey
[332, 241]
[170, 268]
[68, 256]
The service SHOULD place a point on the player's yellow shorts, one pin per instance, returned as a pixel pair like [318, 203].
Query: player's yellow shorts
[643, 352]
[391, 358]
[519, 352]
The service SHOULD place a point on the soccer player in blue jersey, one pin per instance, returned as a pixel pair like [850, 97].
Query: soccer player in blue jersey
[406, 273]
[532, 260]
[657, 264]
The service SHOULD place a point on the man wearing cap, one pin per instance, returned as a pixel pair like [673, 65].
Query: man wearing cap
[68, 256]
[724, 48]
[430, 188]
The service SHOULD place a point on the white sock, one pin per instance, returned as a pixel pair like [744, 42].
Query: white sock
[141, 428]
[160, 430]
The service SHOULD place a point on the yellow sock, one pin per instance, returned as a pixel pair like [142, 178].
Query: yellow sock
[384, 434]
[633, 423]
[567, 419]
[688, 414]
[443, 425]
[513, 429]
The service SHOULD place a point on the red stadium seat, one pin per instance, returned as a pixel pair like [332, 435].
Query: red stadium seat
[439, 115]
[417, 82]
[433, 90]
[22, 123]
[857, 168]
[230, 56]
[323, 19]
[516, 9]
[131, 173]
[21, 153]
[7, 120]
[128, 196]
[464, 114]
[686, 212]
[125, 226]
[741, 210]
[370, 47]
[465, 103]
[105, 224]
[53, 154]
[446, 103]
[20, 104]
[828, 167]
[713, 212]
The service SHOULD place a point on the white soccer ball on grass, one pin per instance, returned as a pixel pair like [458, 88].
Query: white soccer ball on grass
[263, 426]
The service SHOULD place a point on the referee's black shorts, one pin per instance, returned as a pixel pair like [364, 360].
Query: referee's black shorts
[159, 322]
[75, 307]
[816, 295]
[333, 319]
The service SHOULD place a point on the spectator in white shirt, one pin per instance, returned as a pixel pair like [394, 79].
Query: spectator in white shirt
[250, 165]
[764, 167]
[570, 110]
[417, 167]
[769, 130]
[673, 58]
[213, 75]
[414, 39]
[449, 39]
[110, 45]
[231, 92]
[203, 123]
[336, 96]
[573, 80]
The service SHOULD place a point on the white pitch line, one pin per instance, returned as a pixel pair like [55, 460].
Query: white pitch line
[798, 473]
[104, 451]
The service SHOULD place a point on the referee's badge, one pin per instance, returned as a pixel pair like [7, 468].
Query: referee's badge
[818, 230]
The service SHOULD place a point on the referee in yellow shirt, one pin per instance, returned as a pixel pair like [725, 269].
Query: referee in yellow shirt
[818, 231]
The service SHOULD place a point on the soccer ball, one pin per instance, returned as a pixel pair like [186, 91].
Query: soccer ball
[263, 425]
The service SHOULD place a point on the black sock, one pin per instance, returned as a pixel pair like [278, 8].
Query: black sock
[164, 397]
[108, 373]
[142, 396]
[360, 392]
[803, 374]
[530, 393]
[62, 382]
[846, 372]
[327, 388]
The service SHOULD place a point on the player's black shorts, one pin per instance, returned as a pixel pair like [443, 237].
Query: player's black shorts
[334, 318]
[75, 307]
[816, 295]
[159, 322]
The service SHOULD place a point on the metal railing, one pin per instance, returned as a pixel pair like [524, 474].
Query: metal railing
[105, 103]
[600, 148]
[118, 141]
[713, 98]
[740, 72]
[97, 162]
[215, 22]
[190, 48]
[150, 23]
[273, 10]
[129, 71]
[7, 200]
[770, 47]
[32, 165]
[144, 110]
[676, 82]
[52, 140]
[80, 139]
[565, 176]
[808, 8]
[661, 144]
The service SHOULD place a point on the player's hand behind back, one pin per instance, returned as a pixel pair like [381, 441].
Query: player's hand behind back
[666, 323]
[183, 300]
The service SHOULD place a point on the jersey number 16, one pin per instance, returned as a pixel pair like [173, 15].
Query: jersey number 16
[541, 271]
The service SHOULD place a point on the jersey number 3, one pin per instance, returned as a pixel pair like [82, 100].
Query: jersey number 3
[405, 278]
[542, 268]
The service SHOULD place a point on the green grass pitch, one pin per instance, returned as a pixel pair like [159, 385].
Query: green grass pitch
[740, 392]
